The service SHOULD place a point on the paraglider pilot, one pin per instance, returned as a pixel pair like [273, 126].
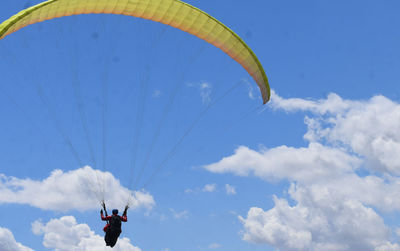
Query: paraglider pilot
[113, 226]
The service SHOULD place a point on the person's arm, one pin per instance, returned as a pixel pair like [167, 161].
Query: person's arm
[124, 218]
[102, 216]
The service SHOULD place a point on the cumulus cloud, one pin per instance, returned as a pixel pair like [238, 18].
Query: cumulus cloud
[8, 242]
[369, 128]
[320, 168]
[79, 189]
[317, 225]
[332, 104]
[334, 206]
[306, 164]
[65, 234]
[230, 190]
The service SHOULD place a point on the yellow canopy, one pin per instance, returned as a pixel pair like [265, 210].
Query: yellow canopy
[170, 12]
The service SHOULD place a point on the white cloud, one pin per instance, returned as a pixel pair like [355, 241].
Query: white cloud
[305, 164]
[8, 242]
[333, 205]
[369, 128]
[189, 190]
[230, 190]
[316, 224]
[322, 169]
[65, 234]
[325, 163]
[252, 93]
[205, 92]
[80, 189]
[179, 215]
[332, 104]
[210, 188]
[214, 246]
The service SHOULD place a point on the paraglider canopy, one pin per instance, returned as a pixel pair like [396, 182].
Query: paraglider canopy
[174, 13]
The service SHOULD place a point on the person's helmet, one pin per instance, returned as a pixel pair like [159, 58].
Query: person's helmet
[115, 211]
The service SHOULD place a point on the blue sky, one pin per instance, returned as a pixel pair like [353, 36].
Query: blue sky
[317, 168]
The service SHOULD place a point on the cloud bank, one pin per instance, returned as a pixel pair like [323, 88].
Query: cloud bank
[80, 189]
[346, 173]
